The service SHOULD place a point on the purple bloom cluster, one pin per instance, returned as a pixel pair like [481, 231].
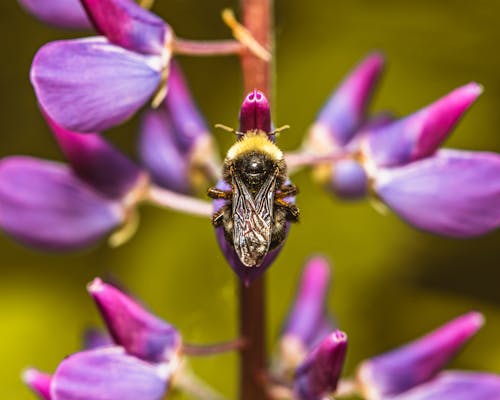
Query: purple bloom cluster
[448, 192]
[136, 361]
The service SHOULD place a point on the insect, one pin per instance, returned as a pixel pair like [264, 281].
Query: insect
[256, 212]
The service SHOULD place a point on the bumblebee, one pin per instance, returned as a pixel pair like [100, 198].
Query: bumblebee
[256, 212]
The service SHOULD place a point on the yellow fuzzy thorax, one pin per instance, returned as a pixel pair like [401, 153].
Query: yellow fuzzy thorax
[255, 141]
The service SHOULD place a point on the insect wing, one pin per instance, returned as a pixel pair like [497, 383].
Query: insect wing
[252, 220]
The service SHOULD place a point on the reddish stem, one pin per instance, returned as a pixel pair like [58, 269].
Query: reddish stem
[257, 18]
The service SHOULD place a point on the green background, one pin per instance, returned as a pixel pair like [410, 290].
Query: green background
[391, 282]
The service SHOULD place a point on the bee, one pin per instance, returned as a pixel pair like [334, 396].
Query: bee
[256, 212]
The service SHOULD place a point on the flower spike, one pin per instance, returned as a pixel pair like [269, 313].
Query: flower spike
[401, 369]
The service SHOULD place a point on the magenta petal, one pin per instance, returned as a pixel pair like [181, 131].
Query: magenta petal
[128, 25]
[108, 374]
[255, 113]
[454, 193]
[38, 382]
[96, 161]
[90, 85]
[456, 385]
[420, 134]
[141, 333]
[43, 204]
[345, 110]
[309, 309]
[417, 362]
[61, 13]
[160, 152]
[320, 372]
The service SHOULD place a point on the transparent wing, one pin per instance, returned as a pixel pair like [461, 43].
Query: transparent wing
[252, 218]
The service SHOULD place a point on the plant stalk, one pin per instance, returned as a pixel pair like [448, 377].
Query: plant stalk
[257, 19]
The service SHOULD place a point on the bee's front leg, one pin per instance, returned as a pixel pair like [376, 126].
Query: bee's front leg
[292, 211]
[287, 191]
[218, 194]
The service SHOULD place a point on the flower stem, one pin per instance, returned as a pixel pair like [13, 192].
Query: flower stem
[257, 19]
[207, 47]
[253, 357]
[179, 202]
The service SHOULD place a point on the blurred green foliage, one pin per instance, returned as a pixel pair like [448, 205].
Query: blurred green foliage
[391, 282]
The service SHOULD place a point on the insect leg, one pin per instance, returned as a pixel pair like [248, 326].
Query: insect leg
[218, 217]
[287, 191]
[215, 193]
[292, 210]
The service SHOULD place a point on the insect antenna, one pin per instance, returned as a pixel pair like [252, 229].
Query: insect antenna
[229, 129]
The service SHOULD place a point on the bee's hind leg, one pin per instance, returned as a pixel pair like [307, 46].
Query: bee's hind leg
[218, 194]
[286, 191]
[292, 211]
[218, 217]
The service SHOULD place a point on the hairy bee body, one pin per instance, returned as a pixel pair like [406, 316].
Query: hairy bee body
[256, 212]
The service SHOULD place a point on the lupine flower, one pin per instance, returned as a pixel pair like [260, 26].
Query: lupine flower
[308, 321]
[60, 13]
[175, 144]
[412, 371]
[311, 351]
[54, 206]
[138, 365]
[319, 374]
[254, 115]
[92, 84]
[448, 192]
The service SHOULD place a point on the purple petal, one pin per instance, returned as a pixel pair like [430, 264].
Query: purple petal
[417, 362]
[186, 117]
[43, 204]
[61, 13]
[319, 374]
[38, 382]
[454, 193]
[345, 110]
[309, 309]
[255, 113]
[90, 85]
[457, 385]
[160, 153]
[420, 134]
[349, 179]
[141, 333]
[95, 338]
[97, 162]
[108, 374]
[128, 25]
